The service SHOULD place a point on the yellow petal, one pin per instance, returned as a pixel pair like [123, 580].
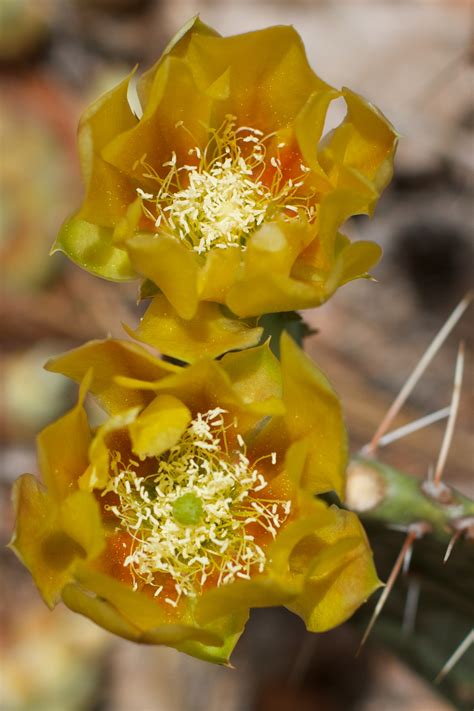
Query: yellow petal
[91, 247]
[155, 621]
[79, 517]
[270, 78]
[373, 141]
[260, 591]
[109, 359]
[129, 223]
[159, 426]
[108, 191]
[335, 208]
[38, 541]
[206, 384]
[342, 577]
[362, 146]
[172, 266]
[209, 334]
[63, 450]
[232, 626]
[177, 46]
[311, 516]
[50, 538]
[309, 128]
[218, 274]
[296, 457]
[176, 118]
[254, 373]
[102, 447]
[275, 246]
[256, 379]
[99, 611]
[314, 411]
[201, 386]
[358, 258]
[103, 613]
[271, 293]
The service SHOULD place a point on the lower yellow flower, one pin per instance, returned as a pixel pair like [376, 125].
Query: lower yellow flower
[194, 500]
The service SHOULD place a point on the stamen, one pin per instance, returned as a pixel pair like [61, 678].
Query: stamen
[222, 199]
[189, 520]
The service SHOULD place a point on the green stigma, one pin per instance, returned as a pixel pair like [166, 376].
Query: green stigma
[188, 509]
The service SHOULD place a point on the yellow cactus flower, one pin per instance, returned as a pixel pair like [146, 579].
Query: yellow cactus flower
[194, 500]
[225, 189]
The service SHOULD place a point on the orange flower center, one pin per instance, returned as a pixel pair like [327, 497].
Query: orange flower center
[227, 191]
[202, 516]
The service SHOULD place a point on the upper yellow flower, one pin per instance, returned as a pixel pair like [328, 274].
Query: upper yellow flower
[224, 190]
[193, 501]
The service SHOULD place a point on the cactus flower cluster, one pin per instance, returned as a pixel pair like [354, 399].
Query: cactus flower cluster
[198, 496]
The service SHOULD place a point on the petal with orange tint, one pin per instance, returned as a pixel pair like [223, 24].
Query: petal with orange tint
[270, 78]
[176, 119]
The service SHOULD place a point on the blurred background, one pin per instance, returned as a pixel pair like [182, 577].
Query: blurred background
[413, 59]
